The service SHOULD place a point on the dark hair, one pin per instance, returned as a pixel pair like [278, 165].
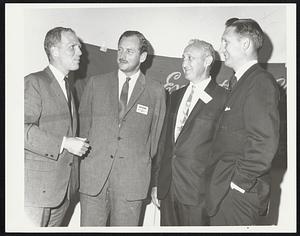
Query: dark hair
[247, 28]
[144, 45]
[53, 37]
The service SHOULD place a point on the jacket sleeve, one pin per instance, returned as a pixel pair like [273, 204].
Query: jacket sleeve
[85, 109]
[261, 122]
[36, 139]
[157, 121]
[160, 150]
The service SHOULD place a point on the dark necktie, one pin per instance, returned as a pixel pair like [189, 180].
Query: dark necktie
[123, 99]
[232, 82]
[68, 90]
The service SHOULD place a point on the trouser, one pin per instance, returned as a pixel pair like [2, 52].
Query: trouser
[175, 213]
[237, 209]
[52, 216]
[110, 202]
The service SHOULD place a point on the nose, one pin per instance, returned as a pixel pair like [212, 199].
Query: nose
[121, 54]
[79, 52]
[222, 48]
[184, 62]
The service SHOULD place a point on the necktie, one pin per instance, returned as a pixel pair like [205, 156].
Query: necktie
[232, 82]
[68, 90]
[185, 112]
[123, 99]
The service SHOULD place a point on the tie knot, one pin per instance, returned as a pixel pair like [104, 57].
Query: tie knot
[232, 81]
[66, 80]
[127, 79]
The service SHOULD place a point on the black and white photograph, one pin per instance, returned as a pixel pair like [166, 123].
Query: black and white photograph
[144, 117]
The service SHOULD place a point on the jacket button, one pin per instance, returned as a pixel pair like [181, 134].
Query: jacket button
[119, 138]
[111, 156]
[46, 154]
[51, 155]
[70, 164]
[44, 191]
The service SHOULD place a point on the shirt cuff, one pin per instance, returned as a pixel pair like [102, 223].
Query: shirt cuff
[234, 186]
[62, 145]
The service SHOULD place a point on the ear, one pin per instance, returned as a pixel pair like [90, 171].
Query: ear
[143, 57]
[208, 60]
[54, 51]
[246, 43]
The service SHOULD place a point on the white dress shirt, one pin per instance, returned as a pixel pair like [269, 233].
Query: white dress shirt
[239, 73]
[59, 76]
[198, 94]
[132, 81]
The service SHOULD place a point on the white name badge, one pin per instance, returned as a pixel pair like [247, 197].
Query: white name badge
[205, 97]
[142, 109]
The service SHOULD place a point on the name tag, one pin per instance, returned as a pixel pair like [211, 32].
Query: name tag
[142, 109]
[205, 97]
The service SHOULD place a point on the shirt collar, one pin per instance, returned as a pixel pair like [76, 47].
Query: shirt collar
[57, 73]
[133, 77]
[244, 68]
[202, 84]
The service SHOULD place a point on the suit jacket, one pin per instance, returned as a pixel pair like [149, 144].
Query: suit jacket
[47, 121]
[184, 162]
[133, 143]
[247, 139]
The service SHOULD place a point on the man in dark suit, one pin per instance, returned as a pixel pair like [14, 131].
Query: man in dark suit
[121, 114]
[51, 169]
[192, 116]
[247, 137]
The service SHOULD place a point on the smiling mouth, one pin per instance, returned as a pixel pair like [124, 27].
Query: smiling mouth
[186, 70]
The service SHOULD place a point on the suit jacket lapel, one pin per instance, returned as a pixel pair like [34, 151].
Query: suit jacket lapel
[175, 107]
[245, 76]
[198, 107]
[241, 81]
[136, 92]
[60, 97]
[113, 92]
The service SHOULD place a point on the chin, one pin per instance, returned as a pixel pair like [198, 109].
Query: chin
[122, 67]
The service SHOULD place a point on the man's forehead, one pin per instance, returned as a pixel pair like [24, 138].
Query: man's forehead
[130, 42]
[229, 31]
[69, 37]
[192, 49]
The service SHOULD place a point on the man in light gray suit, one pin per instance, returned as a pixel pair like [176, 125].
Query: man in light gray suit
[51, 169]
[121, 114]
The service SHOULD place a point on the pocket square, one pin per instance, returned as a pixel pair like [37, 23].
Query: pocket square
[227, 109]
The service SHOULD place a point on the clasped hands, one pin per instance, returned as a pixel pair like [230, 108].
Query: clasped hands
[77, 146]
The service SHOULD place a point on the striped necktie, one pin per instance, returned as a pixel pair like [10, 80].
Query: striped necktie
[123, 99]
[186, 111]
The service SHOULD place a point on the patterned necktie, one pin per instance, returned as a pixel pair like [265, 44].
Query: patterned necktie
[186, 110]
[123, 99]
[232, 82]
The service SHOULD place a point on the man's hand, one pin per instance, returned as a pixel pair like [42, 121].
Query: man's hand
[155, 201]
[76, 146]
